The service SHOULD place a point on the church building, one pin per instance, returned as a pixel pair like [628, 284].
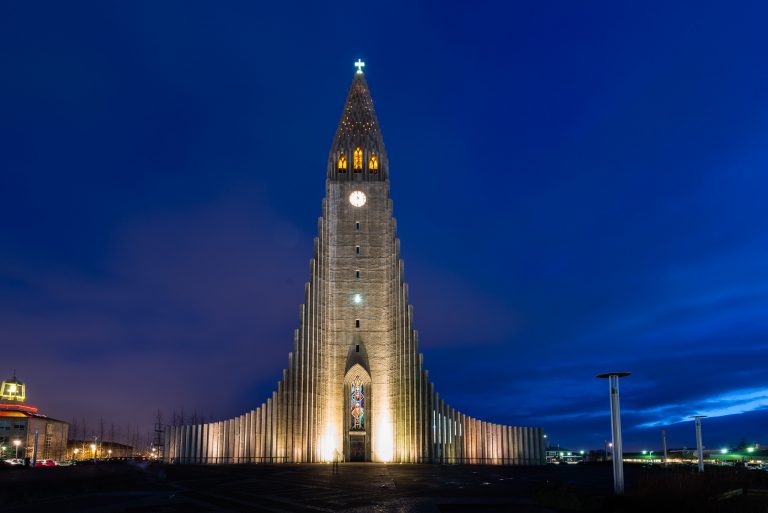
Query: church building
[355, 385]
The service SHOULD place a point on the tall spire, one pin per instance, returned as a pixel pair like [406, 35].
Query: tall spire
[358, 152]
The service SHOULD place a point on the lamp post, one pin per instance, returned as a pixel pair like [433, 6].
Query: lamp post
[699, 446]
[93, 450]
[618, 454]
[17, 443]
[76, 451]
[664, 445]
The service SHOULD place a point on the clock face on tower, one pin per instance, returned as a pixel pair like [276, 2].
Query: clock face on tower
[357, 198]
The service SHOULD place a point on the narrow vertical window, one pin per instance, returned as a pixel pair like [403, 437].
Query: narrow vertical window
[357, 323]
[373, 164]
[357, 250]
[357, 275]
[342, 164]
[357, 226]
[357, 160]
[357, 405]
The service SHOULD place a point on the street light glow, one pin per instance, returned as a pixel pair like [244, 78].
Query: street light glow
[723, 451]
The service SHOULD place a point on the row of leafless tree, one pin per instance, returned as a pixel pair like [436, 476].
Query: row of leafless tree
[132, 434]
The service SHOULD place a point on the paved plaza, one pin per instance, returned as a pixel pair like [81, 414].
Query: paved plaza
[358, 487]
[367, 487]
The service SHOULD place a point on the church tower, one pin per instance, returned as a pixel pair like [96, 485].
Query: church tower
[359, 252]
[355, 385]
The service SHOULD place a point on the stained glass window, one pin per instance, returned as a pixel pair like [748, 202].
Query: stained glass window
[373, 163]
[357, 161]
[342, 163]
[357, 404]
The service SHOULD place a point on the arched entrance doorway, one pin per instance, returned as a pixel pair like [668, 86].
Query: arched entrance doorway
[358, 399]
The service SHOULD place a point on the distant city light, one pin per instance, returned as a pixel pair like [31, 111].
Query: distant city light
[645, 452]
[750, 449]
[723, 451]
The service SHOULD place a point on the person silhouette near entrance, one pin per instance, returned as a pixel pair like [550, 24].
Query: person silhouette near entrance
[336, 459]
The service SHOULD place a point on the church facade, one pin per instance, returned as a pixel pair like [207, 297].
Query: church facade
[355, 386]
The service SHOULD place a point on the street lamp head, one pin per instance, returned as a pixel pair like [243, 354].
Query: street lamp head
[609, 374]
[17, 443]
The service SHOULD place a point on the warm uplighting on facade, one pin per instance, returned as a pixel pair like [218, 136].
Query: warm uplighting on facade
[385, 443]
[328, 444]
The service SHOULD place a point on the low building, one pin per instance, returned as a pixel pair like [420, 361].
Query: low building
[90, 449]
[19, 422]
[557, 456]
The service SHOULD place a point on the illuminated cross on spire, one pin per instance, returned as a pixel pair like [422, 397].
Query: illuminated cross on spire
[359, 65]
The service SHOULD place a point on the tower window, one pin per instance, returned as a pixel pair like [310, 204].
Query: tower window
[357, 348]
[357, 250]
[357, 323]
[357, 226]
[357, 275]
[357, 162]
[342, 164]
[357, 405]
[373, 163]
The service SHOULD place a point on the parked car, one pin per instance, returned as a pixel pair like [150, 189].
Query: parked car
[66, 463]
[14, 461]
[45, 463]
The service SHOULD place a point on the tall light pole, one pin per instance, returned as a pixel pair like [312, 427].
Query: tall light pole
[17, 443]
[664, 445]
[699, 445]
[618, 454]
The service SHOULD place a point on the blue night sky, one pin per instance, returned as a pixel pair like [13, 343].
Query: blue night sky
[579, 187]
